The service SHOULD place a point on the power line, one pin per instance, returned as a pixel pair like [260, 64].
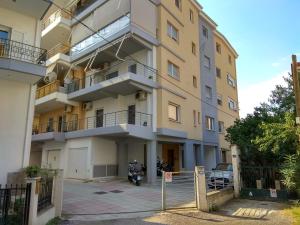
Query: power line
[132, 58]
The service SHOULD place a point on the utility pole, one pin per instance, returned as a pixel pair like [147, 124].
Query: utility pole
[296, 85]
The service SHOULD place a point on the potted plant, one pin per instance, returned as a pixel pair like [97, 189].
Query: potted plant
[32, 171]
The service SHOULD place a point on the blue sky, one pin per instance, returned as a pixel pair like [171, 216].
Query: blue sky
[260, 31]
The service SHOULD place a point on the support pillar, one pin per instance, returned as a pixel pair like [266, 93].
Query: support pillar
[122, 159]
[236, 170]
[218, 154]
[202, 203]
[189, 156]
[151, 161]
[202, 155]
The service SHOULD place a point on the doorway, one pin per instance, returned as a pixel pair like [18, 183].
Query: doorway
[170, 155]
[131, 114]
[99, 117]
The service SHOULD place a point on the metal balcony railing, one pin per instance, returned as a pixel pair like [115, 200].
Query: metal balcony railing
[47, 89]
[59, 48]
[110, 72]
[80, 5]
[23, 52]
[103, 120]
[57, 14]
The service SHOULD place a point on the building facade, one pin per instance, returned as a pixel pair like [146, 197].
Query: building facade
[21, 66]
[120, 87]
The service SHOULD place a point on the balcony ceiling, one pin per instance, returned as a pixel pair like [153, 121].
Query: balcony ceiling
[34, 8]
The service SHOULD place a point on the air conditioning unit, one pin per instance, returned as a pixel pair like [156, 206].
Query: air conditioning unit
[87, 106]
[141, 95]
[68, 108]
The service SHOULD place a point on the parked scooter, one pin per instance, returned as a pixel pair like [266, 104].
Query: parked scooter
[160, 167]
[135, 172]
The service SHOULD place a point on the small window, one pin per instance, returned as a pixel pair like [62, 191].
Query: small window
[178, 4]
[229, 59]
[194, 81]
[172, 32]
[205, 32]
[230, 80]
[210, 123]
[232, 104]
[221, 126]
[218, 47]
[191, 16]
[220, 100]
[195, 117]
[193, 48]
[207, 62]
[132, 68]
[199, 118]
[208, 92]
[173, 70]
[173, 112]
[218, 72]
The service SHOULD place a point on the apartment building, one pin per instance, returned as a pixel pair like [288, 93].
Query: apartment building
[21, 66]
[124, 83]
[227, 94]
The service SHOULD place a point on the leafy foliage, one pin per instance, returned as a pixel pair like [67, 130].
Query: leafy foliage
[291, 172]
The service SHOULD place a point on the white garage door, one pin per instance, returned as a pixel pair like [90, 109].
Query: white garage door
[77, 163]
[53, 159]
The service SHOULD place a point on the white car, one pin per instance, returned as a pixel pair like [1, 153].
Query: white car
[221, 176]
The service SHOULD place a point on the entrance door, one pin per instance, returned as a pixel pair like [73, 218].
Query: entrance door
[77, 165]
[131, 114]
[99, 117]
[170, 155]
[60, 123]
[53, 159]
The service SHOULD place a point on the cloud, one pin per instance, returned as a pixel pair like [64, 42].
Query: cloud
[254, 94]
[284, 60]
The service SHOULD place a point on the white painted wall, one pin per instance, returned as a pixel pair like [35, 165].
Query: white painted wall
[136, 152]
[14, 98]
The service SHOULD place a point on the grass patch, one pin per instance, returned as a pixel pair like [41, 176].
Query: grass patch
[296, 214]
[54, 221]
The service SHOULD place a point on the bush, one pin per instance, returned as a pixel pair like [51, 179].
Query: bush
[291, 172]
[32, 171]
[54, 221]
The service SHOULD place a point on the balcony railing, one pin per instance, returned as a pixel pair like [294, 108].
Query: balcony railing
[57, 14]
[23, 52]
[103, 120]
[110, 72]
[80, 6]
[102, 34]
[47, 89]
[59, 48]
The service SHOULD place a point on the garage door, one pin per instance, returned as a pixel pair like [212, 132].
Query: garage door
[77, 165]
[53, 159]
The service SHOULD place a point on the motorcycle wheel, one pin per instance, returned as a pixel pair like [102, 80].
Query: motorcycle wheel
[129, 179]
[137, 183]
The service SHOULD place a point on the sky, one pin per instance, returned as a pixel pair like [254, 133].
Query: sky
[261, 32]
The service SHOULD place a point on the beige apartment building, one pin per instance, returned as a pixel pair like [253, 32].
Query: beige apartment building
[22, 64]
[124, 83]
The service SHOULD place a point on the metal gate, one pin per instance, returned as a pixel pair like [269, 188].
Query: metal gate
[178, 190]
[262, 183]
[14, 204]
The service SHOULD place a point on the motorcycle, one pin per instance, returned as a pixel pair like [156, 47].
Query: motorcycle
[160, 167]
[135, 173]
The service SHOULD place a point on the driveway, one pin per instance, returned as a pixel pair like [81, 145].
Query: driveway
[119, 196]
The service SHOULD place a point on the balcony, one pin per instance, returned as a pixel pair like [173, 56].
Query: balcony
[53, 130]
[56, 29]
[23, 62]
[116, 124]
[59, 54]
[122, 78]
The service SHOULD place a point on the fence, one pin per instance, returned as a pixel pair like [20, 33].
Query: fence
[45, 194]
[15, 204]
[218, 179]
[23, 52]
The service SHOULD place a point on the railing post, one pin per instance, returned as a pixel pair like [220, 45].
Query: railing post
[32, 217]
[236, 170]
[58, 192]
[201, 189]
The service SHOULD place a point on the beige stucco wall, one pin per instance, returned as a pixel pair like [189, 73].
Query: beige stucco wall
[104, 151]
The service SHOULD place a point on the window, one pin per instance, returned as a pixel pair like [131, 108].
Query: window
[221, 126]
[220, 100]
[218, 47]
[191, 16]
[230, 80]
[224, 157]
[208, 93]
[232, 104]
[172, 32]
[229, 59]
[207, 62]
[193, 48]
[205, 32]
[210, 123]
[218, 72]
[173, 112]
[194, 81]
[195, 117]
[199, 118]
[132, 68]
[178, 4]
[173, 70]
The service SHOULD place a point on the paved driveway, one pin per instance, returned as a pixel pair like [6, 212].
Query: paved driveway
[119, 196]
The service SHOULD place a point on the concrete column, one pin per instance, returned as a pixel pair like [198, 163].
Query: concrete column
[58, 192]
[122, 153]
[151, 161]
[201, 197]
[34, 197]
[202, 155]
[189, 156]
[236, 170]
[218, 154]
